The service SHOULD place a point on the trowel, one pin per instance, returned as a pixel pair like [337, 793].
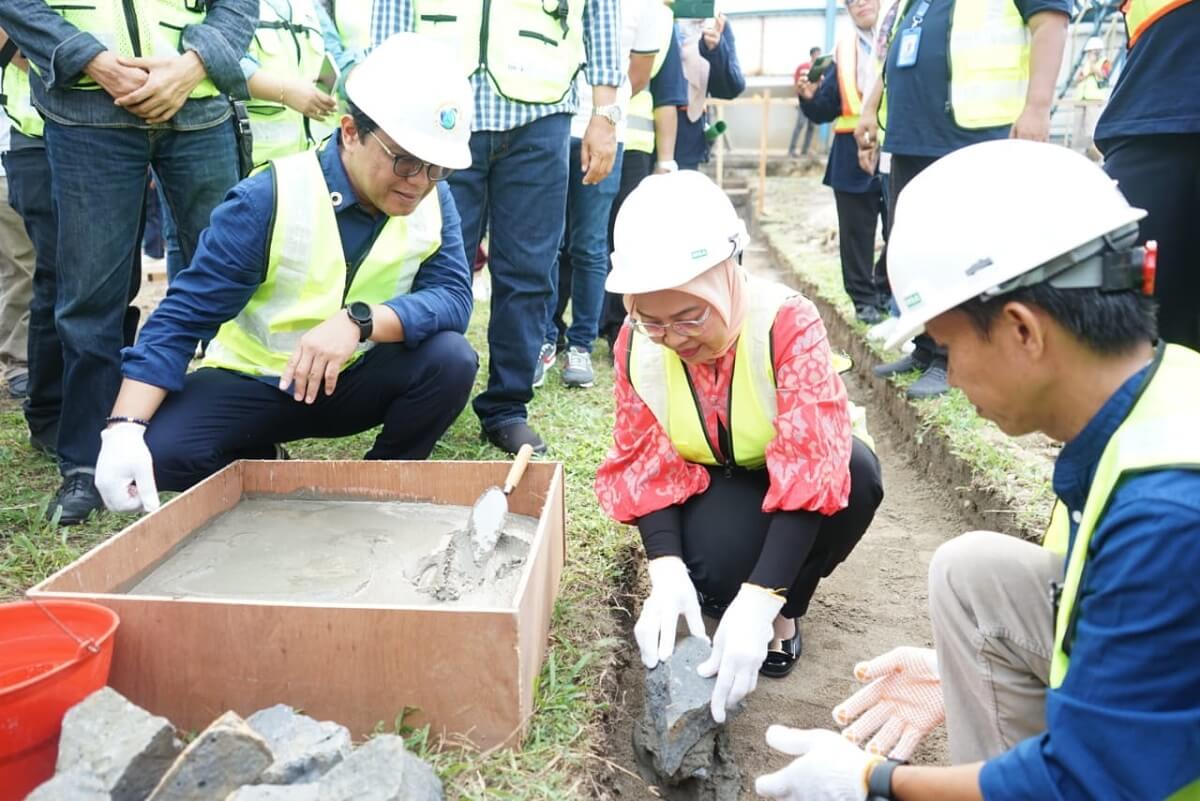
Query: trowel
[490, 512]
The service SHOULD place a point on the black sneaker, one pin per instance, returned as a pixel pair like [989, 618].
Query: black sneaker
[933, 382]
[869, 315]
[511, 437]
[905, 364]
[77, 498]
[45, 445]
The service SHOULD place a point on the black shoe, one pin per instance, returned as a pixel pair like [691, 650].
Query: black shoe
[77, 498]
[780, 662]
[45, 445]
[511, 437]
[905, 364]
[869, 315]
[933, 382]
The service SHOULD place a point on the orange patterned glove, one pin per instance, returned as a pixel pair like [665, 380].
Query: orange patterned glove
[902, 703]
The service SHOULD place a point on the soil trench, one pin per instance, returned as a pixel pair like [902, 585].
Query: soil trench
[875, 601]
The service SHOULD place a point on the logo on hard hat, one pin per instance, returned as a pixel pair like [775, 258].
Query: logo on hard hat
[448, 117]
[699, 254]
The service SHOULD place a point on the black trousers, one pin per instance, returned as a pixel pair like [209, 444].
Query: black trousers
[1161, 174]
[220, 416]
[904, 169]
[724, 529]
[636, 166]
[865, 281]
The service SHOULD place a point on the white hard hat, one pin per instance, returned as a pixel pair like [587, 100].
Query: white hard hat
[980, 217]
[413, 88]
[670, 229]
[1093, 43]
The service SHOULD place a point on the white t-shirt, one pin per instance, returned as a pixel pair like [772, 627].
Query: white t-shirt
[640, 33]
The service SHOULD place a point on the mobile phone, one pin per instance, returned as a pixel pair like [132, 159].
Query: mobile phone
[694, 9]
[819, 67]
[328, 77]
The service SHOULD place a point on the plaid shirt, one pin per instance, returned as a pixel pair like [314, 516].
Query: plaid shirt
[493, 112]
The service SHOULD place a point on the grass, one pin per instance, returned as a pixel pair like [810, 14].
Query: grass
[1019, 469]
[562, 755]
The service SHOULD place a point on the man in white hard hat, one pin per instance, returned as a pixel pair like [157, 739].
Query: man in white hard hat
[1071, 670]
[333, 288]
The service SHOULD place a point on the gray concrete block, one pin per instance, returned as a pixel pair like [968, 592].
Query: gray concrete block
[381, 770]
[304, 749]
[122, 745]
[71, 786]
[225, 756]
[274, 792]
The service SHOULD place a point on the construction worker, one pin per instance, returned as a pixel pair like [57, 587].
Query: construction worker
[522, 60]
[956, 74]
[1091, 78]
[837, 98]
[1071, 670]
[735, 450]
[335, 291]
[282, 68]
[123, 85]
[1149, 133]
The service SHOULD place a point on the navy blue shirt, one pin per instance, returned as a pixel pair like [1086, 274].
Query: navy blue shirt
[841, 171]
[1158, 91]
[919, 122]
[725, 80]
[1126, 721]
[668, 86]
[230, 264]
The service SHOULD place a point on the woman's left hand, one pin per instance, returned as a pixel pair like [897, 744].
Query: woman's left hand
[740, 646]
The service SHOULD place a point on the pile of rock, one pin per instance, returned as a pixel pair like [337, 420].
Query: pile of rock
[112, 750]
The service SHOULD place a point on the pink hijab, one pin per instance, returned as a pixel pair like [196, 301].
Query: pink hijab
[723, 287]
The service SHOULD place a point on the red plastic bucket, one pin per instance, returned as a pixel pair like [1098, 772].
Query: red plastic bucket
[53, 654]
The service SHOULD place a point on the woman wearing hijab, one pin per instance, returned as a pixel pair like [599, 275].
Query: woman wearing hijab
[710, 66]
[735, 450]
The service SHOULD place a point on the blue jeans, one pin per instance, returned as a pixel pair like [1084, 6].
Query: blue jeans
[518, 183]
[586, 246]
[98, 182]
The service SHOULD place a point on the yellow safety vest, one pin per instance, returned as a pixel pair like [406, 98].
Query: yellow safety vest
[1141, 14]
[639, 122]
[305, 281]
[137, 28]
[847, 75]
[989, 63]
[286, 47]
[18, 101]
[660, 379]
[353, 21]
[531, 49]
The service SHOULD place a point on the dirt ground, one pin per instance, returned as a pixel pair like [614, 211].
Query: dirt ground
[874, 601]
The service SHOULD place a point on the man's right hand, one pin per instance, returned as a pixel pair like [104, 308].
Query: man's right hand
[671, 594]
[115, 78]
[308, 100]
[866, 135]
[125, 469]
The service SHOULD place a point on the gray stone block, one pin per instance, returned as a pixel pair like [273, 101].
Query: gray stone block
[71, 786]
[381, 770]
[274, 792]
[225, 756]
[677, 743]
[122, 745]
[304, 749]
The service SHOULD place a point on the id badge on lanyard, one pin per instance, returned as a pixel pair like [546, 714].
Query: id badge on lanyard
[910, 38]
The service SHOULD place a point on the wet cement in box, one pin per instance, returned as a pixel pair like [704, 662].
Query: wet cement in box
[342, 551]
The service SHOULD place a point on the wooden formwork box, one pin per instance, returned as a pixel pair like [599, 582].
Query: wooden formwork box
[470, 672]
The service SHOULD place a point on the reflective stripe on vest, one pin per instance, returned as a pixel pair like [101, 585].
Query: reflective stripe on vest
[137, 28]
[18, 102]
[306, 270]
[847, 75]
[352, 18]
[1161, 432]
[530, 54]
[659, 378]
[989, 63]
[287, 47]
[1141, 14]
[639, 123]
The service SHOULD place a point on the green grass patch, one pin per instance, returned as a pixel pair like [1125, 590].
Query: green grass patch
[561, 757]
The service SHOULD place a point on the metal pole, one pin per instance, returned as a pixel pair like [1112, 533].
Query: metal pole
[831, 9]
[762, 151]
[720, 149]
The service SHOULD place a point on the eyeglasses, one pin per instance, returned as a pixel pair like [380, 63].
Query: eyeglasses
[685, 328]
[406, 166]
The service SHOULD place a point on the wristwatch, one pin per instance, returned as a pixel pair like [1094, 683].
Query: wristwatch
[360, 314]
[612, 112]
[879, 783]
[669, 166]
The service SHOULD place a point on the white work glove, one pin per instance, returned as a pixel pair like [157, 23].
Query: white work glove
[901, 705]
[125, 469]
[829, 768]
[671, 594]
[740, 646]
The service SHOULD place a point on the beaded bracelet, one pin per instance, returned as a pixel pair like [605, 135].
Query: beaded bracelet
[122, 419]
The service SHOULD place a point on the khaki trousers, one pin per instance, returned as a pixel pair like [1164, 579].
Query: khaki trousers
[16, 287]
[993, 627]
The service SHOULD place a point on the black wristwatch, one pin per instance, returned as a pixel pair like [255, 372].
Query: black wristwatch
[360, 313]
[879, 783]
